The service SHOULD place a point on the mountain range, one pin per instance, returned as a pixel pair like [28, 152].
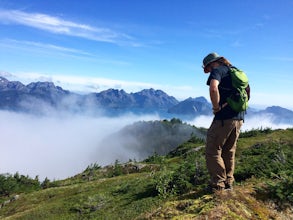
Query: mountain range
[42, 97]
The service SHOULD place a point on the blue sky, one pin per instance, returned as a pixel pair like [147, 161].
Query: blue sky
[93, 45]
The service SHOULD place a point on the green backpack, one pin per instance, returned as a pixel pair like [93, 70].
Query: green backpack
[238, 100]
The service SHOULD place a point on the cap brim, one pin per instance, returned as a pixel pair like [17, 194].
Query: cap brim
[213, 60]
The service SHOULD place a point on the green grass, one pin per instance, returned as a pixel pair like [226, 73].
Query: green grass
[263, 137]
[123, 197]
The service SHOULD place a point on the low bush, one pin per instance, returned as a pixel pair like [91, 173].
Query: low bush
[263, 160]
[255, 132]
[190, 173]
[280, 190]
[10, 184]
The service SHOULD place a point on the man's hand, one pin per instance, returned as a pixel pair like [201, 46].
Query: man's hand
[219, 108]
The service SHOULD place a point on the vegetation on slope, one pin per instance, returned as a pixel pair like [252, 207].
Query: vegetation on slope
[165, 187]
[145, 138]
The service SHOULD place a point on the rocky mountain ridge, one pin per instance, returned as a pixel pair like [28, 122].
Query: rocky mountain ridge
[40, 97]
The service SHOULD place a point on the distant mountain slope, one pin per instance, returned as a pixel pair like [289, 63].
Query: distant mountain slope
[192, 106]
[143, 139]
[18, 97]
[154, 99]
[278, 114]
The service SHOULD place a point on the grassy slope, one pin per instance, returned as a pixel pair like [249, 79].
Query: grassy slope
[132, 196]
[110, 198]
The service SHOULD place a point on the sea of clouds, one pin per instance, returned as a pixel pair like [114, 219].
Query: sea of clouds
[58, 146]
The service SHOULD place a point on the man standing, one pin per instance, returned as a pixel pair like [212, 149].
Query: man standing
[225, 128]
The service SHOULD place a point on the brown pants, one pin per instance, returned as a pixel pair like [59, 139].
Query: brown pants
[220, 151]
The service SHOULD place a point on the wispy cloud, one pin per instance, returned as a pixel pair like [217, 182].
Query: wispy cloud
[60, 26]
[54, 50]
[31, 45]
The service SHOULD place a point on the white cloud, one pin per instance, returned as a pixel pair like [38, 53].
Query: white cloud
[57, 146]
[41, 47]
[250, 122]
[262, 121]
[60, 26]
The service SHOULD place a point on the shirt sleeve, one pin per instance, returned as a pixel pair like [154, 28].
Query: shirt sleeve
[215, 74]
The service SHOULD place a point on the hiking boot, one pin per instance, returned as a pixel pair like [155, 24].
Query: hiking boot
[214, 189]
[228, 187]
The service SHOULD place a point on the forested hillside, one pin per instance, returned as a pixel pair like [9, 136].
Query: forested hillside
[144, 138]
[164, 186]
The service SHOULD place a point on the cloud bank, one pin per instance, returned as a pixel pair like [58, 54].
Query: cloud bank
[56, 147]
[252, 122]
[62, 145]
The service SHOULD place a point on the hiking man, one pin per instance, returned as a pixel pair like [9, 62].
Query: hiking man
[225, 127]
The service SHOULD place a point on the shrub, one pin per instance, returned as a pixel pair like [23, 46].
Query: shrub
[155, 158]
[48, 184]
[16, 183]
[116, 170]
[280, 190]
[8, 185]
[255, 132]
[263, 160]
[164, 184]
[191, 172]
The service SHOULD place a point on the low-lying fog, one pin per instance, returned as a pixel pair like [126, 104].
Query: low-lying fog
[60, 146]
